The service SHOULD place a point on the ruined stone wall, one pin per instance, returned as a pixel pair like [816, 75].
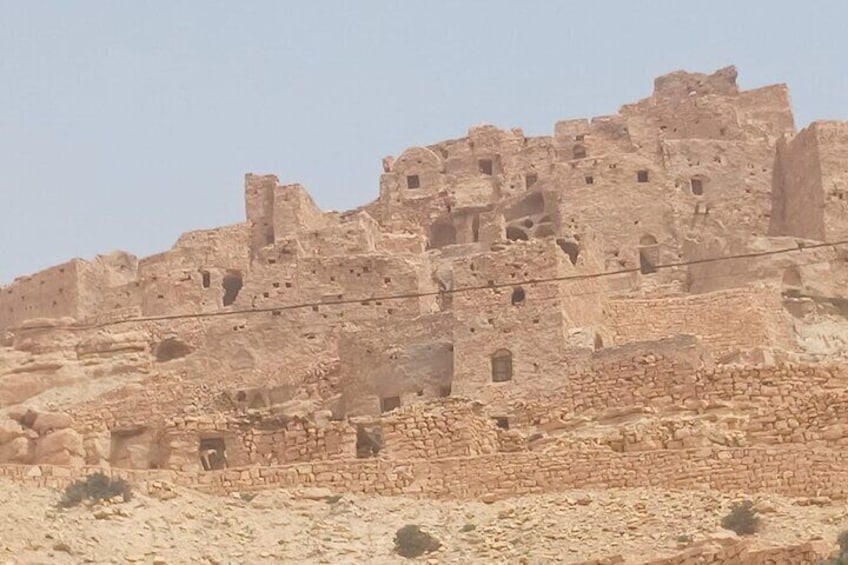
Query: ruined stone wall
[788, 471]
[170, 283]
[721, 188]
[725, 321]
[833, 158]
[797, 188]
[52, 293]
[740, 554]
[407, 362]
[810, 193]
[223, 247]
[662, 402]
[263, 443]
[229, 359]
[766, 112]
[696, 106]
[294, 212]
[733, 552]
[259, 209]
[453, 428]
[521, 324]
[672, 375]
[607, 191]
[353, 234]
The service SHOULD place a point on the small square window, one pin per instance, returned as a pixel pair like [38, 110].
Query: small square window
[389, 403]
[486, 167]
[580, 137]
[502, 422]
[413, 181]
[642, 176]
[590, 179]
[531, 179]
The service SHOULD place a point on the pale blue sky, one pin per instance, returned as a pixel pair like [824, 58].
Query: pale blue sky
[123, 124]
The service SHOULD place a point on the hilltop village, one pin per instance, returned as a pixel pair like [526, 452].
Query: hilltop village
[649, 299]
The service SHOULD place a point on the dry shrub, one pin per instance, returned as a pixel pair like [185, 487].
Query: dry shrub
[94, 487]
[411, 541]
[742, 519]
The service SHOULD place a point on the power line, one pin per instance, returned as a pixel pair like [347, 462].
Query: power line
[433, 293]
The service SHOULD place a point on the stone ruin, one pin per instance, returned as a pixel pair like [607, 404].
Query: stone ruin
[652, 298]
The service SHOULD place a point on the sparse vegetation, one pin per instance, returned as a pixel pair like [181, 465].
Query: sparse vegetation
[248, 496]
[94, 487]
[411, 541]
[742, 519]
[468, 528]
[684, 539]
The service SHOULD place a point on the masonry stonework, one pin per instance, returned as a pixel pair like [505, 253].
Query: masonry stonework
[652, 298]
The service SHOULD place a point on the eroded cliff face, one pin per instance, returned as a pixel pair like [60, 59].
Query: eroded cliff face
[666, 279]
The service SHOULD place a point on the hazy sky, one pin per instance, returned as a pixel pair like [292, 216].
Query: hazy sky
[124, 124]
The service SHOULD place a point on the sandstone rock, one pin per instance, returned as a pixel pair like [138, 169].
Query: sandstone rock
[47, 422]
[96, 449]
[16, 451]
[489, 498]
[9, 430]
[63, 447]
[16, 411]
[314, 493]
[834, 433]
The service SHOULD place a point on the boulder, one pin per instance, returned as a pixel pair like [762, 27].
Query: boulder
[16, 411]
[47, 422]
[16, 451]
[63, 447]
[9, 430]
[97, 449]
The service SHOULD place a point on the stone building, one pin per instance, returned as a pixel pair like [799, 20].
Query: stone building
[503, 295]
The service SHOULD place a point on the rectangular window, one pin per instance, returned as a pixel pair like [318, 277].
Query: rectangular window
[502, 366]
[213, 456]
[486, 167]
[648, 260]
[413, 181]
[697, 187]
[642, 176]
[502, 422]
[590, 180]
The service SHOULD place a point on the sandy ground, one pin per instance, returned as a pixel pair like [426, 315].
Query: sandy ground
[302, 527]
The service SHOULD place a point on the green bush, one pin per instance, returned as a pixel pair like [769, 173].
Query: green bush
[411, 541]
[96, 486]
[742, 519]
